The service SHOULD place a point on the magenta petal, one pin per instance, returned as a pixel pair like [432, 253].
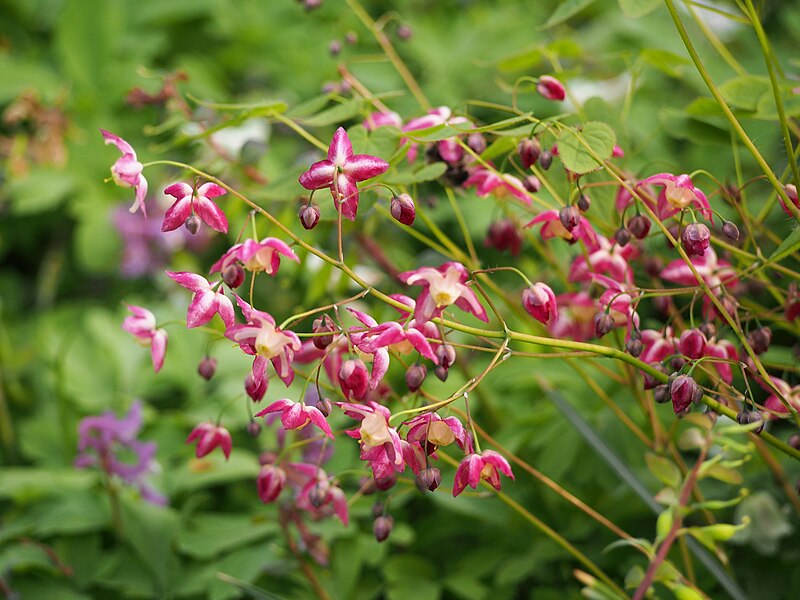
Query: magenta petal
[320, 421]
[380, 364]
[225, 309]
[493, 458]
[276, 406]
[340, 505]
[363, 166]
[121, 144]
[340, 149]
[230, 256]
[211, 214]
[319, 175]
[158, 348]
[177, 214]
[293, 416]
[179, 190]
[190, 281]
[348, 191]
[141, 192]
[421, 344]
[202, 308]
[211, 190]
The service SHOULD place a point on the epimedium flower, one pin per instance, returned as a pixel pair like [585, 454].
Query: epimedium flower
[296, 415]
[256, 256]
[318, 495]
[678, 192]
[259, 336]
[127, 170]
[431, 431]
[189, 201]
[380, 443]
[774, 406]
[608, 259]
[540, 302]
[552, 227]
[142, 324]
[448, 149]
[206, 301]
[442, 286]
[341, 171]
[486, 466]
[209, 436]
[270, 481]
[500, 185]
[576, 311]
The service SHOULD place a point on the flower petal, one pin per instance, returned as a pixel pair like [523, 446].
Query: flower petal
[211, 214]
[177, 214]
[319, 175]
[363, 166]
[340, 149]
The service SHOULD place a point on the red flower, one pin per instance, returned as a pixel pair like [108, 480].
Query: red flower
[189, 201]
[208, 437]
[487, 466]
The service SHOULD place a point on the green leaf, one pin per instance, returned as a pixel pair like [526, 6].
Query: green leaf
[664, 60]
[577, 149]
[42, 190]
[253, 591]
[24, 484]
[744, 92]
[664, 469]
[425, 173]
[788, 246]
[566, 10]
[633, 9]
[720, 473]
[209, 534]
[664, 523]
[213, 470]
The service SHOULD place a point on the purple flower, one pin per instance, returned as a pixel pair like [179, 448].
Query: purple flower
[341, 171]
[189, 201]
[103, 440]
[127, 171]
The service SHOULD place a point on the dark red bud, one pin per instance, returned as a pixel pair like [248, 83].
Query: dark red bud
[367, 488]
[256, 392]
[192, 224]
[545, 159]
[695, 239]
[309, 216]
[476, 142]
[440, 372]
[529, 151]
[569, 216]
[584, 203]
[709, 330]
[318, 495]
[635, 347]
[532, 184]
[324, 406]
[504, 236]
[207, 367]
[747, 417]
[683, 391]
[622, 236]
[403, 209]
[446, 355]
[794, 441]
[639, 226]
[760, 339]
[731, 231]
[382, 527]
[677, 362]
[651, 382]
[233, 275]
[603, 323]
[386, 483]
[693, 343]
[323, 325]
[429, 479]
[415, 375]
[253, 428]
[661, 393]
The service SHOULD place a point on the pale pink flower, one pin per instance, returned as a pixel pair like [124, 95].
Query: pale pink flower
[678, 192]
[189, 201]
[127, 171]
[379, 442]
[500, 185]
[430, 431]
[552, 227]
[256, 256]
[341, 171]
[442, 286]
[540, 302]
[487, 466]
[206, 301]
[142, 324]
[296, 415]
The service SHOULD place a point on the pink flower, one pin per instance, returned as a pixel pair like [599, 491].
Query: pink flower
[142, 324]
[550, 88]
[725, 350]
[208, 436]
[271, 480]
[658, 345]
[206, 302]
[382, 119]
[500, 184]
[380, 443]
[678, 193]
[607, 259]
[448, 149]
[353, 378]
[127, 171]
[296, 415]
[487, 466]
[553, 228]
[716, 273]
[256, 256]
[341, 171]
[576, 313]
[443, 286]
[773, 404]
[540, 302]
[319, 495]
[189, 201]
[431, 431]
[259, 336]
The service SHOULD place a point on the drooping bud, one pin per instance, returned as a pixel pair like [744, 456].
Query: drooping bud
[233, 275]
[661, 393]
[317, 495]
[731, 231]
[440, 372]
[404, 31]
[683, 390]
[386, 483]
[446, 355]
[254, 429]
[429, 479]
[207, 367]
[622, 237]
[255, 390]
[532, 184]
[791, 193]
[192, 223]
[747, 417]
[540, 302]
[603, 323]
[335, 47]
[550, 88]
[569, 216]
[708, 329]
[639, 226]
[415, 375]
[323, 325]
[325, 406]
[677, 363]
[634, 346]
[403, 209]
[353, 378]
[693, 343]
[504, 236]
[653, 265]
[760, 339]
[529, 150]
[477, 142]
[351, 37]
[794, 441]
[309, 216]
[545, 159]
[584, 203]
[382, 527]
[649, 381]
[271, 480]
[695, 239]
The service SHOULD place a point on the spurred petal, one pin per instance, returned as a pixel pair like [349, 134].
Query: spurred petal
[276, 406]
[340, 149]
[363, 166]
[348, 193]
[211, 190]
[141, 192]
[421, 344]
[158, 348]
[121, 144]
[319, 420]
[225, 309]
[319, 175]
[190, 281]
[380, 364]
[202, 308]
[211, 214]
[179, 190]
[493, 458]
[177, 214]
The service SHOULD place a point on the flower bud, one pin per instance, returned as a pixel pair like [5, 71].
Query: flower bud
[192, 223]
[440, 372]
[693, 343]
[529, 150]
[651, 382]
[404, 31]
[271, 480]
[677, 363]
[584, 203]
[318, 495]
[791, 193]
[477, 142]
[569, 216]
[254, 429]
[324, 406]
[429, 479]
[622, 237]
[377, 510]
[309, 216]
[233, 275]
[731, 231]
[550, 88]
[639, 226]
[415, 375]
[403, 209]
[545, 159]
[335, 47]
[792, 308]
[747, 417]
[255, 391]
[367, 488]
[708, 329]
[446, 355]
[382, 527]
[794, 441]
[323, 325]
[661, 393]
[603, 323]
[635, 347]
[683, 390]
[532, 184]
[353, 378]
[653, 265]
[540, 302]
[351, 38]
[207, 367]
[386, 483]
[504, 236]
[695, 239]
[760, 339]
